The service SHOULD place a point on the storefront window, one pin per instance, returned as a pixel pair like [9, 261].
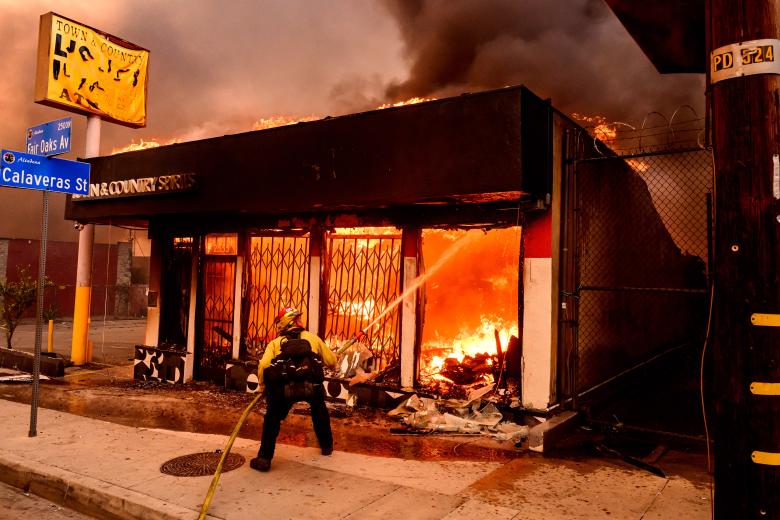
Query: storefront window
[363, 276]
[226, 244]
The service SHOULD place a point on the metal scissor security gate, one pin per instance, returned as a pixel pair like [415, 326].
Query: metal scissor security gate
[219, 281]
[642, 228]
[363, 276]
[277, 275]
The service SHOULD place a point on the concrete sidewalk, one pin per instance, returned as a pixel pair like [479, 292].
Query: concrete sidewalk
[112, 471]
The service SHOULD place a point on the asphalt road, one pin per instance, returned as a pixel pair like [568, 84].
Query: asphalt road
[113, 340]
[15, 504]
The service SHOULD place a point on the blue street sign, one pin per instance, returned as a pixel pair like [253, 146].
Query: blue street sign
[24, 170]
[49, 138]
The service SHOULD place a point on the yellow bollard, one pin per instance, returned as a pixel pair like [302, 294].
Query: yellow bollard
[80, 325]
[51, 336]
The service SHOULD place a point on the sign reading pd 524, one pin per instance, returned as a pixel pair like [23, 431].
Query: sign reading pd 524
[24, 170]
[49, 138]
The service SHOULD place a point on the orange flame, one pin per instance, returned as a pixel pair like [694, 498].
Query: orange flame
[467, 342]
[142, 145]
[598, 126]
[281, 120]
[410, 101]
[263, 123]
[605, 132]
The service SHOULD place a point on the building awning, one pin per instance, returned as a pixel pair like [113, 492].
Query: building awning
[670, 32]
[472, 148]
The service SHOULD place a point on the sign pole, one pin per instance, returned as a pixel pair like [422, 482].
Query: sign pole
[39, 316]
[81, 310]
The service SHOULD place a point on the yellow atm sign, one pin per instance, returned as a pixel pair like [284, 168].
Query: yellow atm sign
[85, 70]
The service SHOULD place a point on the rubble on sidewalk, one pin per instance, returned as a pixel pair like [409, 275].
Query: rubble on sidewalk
[475, 415]
[20, 378]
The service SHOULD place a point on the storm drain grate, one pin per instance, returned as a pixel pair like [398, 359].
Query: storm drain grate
[200, 464]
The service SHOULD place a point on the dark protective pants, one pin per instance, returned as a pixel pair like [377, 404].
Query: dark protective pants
[279, 407]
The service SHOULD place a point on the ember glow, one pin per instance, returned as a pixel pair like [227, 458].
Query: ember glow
[637, 165]
[364, 310]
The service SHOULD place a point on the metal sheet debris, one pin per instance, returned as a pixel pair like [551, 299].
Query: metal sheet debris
[472, 416]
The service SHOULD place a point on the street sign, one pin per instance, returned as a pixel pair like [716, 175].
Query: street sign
[24, 170]
[51, 138]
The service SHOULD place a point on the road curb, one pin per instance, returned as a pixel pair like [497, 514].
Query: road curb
[85, 494]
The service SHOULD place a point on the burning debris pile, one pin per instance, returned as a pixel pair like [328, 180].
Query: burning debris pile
[457, 374]
[476, 415]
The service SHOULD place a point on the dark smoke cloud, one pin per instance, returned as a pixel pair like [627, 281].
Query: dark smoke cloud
[215, 68]
[575, 52]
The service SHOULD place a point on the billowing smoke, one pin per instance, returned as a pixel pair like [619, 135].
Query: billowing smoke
[575, 52]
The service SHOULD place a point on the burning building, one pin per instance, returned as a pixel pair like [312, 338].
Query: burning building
[432, 231]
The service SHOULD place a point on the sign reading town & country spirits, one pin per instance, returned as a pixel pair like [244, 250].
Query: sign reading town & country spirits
[175, 182]
[88, 71]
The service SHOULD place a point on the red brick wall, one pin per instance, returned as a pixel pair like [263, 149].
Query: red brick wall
[61, 260]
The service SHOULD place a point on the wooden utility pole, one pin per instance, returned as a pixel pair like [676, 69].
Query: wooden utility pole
[746, 333]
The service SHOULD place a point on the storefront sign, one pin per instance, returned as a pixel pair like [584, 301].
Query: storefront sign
[745, 59]
[24, 170]
[51, 138]
[142, 186]
[88, 71]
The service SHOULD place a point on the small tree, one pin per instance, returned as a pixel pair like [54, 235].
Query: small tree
[16, 298]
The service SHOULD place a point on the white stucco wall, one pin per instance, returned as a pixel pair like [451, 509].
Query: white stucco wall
[537, 332]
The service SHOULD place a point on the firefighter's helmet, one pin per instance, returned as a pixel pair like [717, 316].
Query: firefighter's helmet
[288, 320]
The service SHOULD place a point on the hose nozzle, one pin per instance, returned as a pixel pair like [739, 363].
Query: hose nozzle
[351, 341]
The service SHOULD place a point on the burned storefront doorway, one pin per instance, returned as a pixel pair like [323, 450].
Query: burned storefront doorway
[470, 308]
[176, 289]
[216, 305]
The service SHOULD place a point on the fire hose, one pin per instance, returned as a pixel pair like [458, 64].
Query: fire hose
[213, 487]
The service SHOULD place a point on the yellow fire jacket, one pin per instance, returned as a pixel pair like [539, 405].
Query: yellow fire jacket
[274, 348]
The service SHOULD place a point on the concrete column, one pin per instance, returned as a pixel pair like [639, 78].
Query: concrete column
[189, 362]
[154, 303]
[315, 280]
[81, 308]
[537, 313]
[237, 306]
[409, 309]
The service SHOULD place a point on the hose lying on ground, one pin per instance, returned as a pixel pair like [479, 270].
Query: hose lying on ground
[204, 509]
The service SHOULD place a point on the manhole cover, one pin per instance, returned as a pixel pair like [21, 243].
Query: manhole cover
[200, 464]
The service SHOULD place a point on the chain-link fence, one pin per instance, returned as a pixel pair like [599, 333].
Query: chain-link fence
[641, 234]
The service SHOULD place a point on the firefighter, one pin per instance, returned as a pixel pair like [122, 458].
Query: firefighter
[290, 371]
